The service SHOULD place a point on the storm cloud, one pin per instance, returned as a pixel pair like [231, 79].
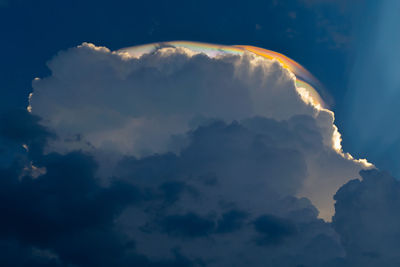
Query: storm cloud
[114, 104]
[179, 159]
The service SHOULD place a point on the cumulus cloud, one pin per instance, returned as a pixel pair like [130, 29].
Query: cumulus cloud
[161, 210]
[367, 219]
[113, 104]
[135, 105]
[179, 159]
[227, 194]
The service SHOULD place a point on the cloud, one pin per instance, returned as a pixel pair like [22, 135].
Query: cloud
[228, 198]
[18, 128]
[273, 229]
[231, 221]
[106, 97]
[239, 176]
[367, 219]
[64, 210]
[112, 104]
[162, 210]
[189, 225]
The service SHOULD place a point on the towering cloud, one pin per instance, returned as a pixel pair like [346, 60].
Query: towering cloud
[116, 104]
[177, 158]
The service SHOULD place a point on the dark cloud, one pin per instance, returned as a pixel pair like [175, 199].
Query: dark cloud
[188, 225]
[273, 230]
[17, 128]
[246, 207]
[65, 210]
[231, 221]
[13, 253]
[219, 152]
[172, 191]
[65, 216]
[56, 210]
[21, 127]
[62, 214]
[223, 195]
[367, 218]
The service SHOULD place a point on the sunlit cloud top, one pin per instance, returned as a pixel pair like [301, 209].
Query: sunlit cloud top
[304, 79]
[307, 86]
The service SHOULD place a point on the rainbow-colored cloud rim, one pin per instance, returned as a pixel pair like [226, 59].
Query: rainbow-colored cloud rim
[306, 83]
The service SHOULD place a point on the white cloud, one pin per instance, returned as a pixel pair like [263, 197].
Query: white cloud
[110, 103]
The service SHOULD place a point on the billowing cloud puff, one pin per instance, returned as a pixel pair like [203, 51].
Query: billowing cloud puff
[367, 219]
[221, 202]
[134, 105]
[176, 158]
[115, 105]
[227, 200]
[208, 206]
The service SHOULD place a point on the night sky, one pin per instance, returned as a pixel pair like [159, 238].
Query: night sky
[182, 159]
